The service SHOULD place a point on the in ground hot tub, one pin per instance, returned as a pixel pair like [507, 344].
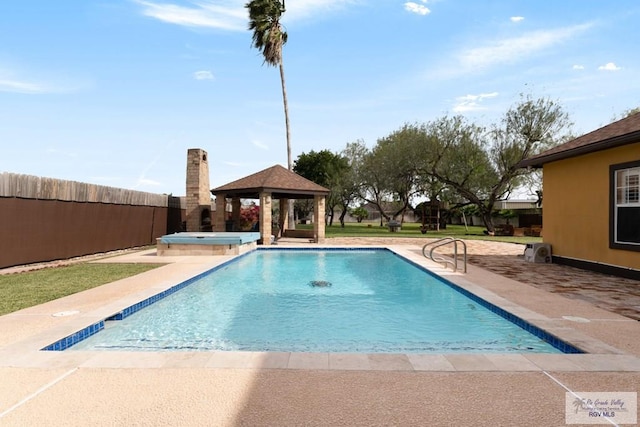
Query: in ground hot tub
[207, 243]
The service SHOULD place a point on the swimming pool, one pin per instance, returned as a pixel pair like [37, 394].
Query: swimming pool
[357, 301]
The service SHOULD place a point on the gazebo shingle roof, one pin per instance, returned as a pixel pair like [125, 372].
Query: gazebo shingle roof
[622, 132]
[277, 180]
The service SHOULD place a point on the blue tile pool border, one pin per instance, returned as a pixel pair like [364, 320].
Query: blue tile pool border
[76, 337]
[90, 330]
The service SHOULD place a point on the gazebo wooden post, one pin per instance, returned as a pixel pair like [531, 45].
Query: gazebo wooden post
[221, 214]
[284, 215]
[265, 218]
[318, 220]
[235, 213]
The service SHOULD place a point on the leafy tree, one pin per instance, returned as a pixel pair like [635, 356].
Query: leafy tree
[455, 154]
[626, 113]
[631, 112]
[303, 208]
[316, 166]
[359, 213]
[373, 185]
[482, 167]
[399, 165]
[507, 214]
[324, 168]
[388, 172]
[347, 187]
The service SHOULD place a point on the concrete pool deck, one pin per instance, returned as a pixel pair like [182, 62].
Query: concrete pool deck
[243, 388]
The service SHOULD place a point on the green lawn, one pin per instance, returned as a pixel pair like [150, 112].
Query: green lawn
[22, 290]
[413, 230]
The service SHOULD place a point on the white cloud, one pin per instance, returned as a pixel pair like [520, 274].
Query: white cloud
[228, 15]
[146, 181]
[203, 75]
[419, 9]
[259, 144]
[472, 102]
[300, 9]
[17, 86]
[234, 164]
[33, 82]
[103, 180]
[517, 18]
[578, 67]
[10, 84]
[610, 66]
[64, 153]
[514, 49]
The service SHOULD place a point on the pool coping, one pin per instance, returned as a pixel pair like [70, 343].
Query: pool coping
[26, 352]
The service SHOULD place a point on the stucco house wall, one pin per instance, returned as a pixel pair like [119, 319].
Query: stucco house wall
[591, 196]
[576, 210]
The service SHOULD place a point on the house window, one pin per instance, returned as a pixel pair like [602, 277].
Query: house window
[625, 206]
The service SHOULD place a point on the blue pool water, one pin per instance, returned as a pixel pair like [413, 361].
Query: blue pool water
[369, 301]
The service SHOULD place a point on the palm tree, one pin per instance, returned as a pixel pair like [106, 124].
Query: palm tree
[269, 37]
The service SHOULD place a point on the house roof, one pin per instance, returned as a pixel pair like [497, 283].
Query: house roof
[279, 181]
[616, 134]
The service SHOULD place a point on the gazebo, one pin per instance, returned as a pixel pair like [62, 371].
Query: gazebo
[274, 183]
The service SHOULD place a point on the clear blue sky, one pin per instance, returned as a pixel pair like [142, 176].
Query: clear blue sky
[114, 92]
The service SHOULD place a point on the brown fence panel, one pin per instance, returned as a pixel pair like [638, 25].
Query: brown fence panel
[34, 230]
[176, 216]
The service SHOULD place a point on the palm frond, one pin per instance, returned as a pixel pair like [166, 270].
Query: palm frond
[268, 34]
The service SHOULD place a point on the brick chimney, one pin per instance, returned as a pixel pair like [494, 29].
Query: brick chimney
[198, 191]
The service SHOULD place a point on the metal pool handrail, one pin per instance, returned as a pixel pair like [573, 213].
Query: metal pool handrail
[443, 242]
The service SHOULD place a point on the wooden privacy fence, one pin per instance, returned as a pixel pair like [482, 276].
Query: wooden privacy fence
[44, 219]
[34, 187]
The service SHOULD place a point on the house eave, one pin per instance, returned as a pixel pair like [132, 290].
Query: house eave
[618, 141]
[277, 193]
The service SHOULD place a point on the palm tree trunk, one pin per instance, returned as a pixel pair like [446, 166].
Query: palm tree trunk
[292, 221]
[286, 117]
